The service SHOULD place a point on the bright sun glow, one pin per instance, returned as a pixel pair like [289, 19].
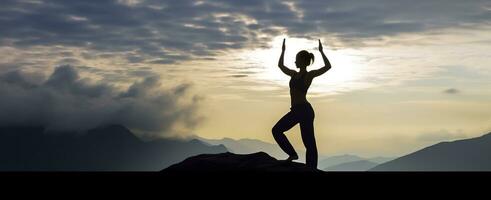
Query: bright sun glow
[345, 64]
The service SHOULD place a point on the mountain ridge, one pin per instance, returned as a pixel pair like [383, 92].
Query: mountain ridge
[105, 148]
[470, 154]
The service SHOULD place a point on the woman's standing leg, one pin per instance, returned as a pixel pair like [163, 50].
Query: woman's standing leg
[308, 138]
[285, 124]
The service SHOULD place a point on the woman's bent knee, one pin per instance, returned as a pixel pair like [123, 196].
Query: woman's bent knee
[276, 131]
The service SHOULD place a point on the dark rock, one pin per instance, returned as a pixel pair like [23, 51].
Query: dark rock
[229, 162]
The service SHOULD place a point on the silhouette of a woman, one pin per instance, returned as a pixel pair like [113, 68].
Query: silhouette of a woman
[300, 111]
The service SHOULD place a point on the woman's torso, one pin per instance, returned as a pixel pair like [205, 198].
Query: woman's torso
[299, 85]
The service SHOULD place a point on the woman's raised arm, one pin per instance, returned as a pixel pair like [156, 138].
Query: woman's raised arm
[327, 64]
[283, 68]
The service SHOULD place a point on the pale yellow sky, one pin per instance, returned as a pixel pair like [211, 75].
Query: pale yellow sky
[383, 100]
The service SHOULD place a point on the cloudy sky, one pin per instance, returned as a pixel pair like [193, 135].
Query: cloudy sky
[406, 74]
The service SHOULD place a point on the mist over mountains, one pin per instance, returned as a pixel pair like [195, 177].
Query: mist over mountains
[116, 148]
[462, 155]
[66, 101]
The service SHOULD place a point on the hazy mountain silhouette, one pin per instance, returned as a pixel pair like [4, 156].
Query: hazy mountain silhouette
[108, 148]
[230, 162]
[349, 162]
[359, 165]
[462, 155]
[336, 160]
[380, 159]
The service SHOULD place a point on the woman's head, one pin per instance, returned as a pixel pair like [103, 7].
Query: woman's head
[304, 59]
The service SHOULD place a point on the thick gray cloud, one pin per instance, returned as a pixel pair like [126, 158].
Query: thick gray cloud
[371, 18]
[66, 101]
[167, 31]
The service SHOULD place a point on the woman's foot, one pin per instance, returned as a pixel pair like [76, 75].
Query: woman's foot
[290, 158]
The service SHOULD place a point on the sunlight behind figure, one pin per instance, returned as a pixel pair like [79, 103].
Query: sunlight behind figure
[338, 80]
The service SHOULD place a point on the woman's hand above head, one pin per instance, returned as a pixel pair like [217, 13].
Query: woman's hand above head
[283, 68]
[283, 47]
[327, 64]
